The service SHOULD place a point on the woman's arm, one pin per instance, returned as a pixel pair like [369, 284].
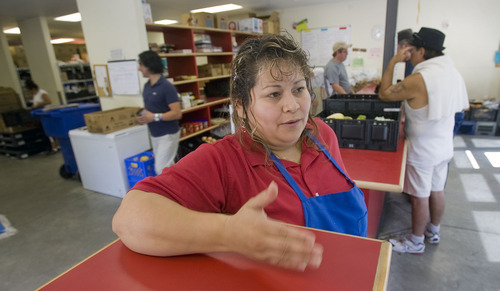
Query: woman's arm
[155, 225]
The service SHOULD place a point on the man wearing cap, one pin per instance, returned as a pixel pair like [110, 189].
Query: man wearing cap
[404, 38]
[432, 95]
[336, 79]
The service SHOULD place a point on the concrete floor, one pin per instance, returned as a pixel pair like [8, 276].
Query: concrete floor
[59, 224]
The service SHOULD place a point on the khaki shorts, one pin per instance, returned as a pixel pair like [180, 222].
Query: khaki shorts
[420, 181]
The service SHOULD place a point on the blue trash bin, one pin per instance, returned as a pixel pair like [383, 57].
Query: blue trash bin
[57, 123]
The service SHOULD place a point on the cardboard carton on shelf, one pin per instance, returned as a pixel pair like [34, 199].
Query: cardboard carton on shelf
[226, 69]
[253, 25]
[271, 23]
[221, 20]
[198, 19]
[210, 70]
[241, 16]
[111, 120]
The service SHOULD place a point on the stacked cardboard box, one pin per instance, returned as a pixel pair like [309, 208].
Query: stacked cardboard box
[210, 70]
[111, 120]
[226, 69]
[271, 23]
[198, 19]
[222, 20]
[253, 25]
[9, 102]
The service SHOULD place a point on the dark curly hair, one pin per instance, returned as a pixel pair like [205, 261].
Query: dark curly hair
[30, 85]
[152, 61]
[268, 52]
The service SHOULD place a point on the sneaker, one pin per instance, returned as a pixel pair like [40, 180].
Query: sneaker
[405, 245]
[432, 237]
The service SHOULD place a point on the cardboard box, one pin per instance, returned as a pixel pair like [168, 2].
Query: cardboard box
[271, 23]
[253, 25]
[187, 19]
[111, 120]
[241, 16]
[198, 19]
[226, 69]
[9, 100]
[221, 20]
[210, 70]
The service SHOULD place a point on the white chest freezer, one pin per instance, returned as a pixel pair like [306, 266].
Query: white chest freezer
[101, 157]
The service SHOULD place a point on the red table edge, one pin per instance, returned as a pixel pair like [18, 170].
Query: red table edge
[384, 259]
[78, 264]
[388, 187]
[381, 274]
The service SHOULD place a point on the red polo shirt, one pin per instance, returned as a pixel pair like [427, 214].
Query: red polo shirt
[222, 176]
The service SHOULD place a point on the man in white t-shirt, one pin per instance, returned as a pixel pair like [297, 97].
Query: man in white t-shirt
[432, 95]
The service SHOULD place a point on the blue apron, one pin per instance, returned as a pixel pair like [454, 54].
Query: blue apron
[343, 212]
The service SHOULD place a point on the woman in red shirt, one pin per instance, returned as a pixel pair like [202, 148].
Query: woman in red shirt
[281, 165]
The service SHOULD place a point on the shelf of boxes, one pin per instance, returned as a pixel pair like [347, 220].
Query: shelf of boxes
[185, 70]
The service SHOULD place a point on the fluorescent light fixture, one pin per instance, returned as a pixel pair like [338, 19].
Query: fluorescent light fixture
[472, 160]
[14, 30]
[75, 17]
[61, 40]
[216, 9]
[166, 21]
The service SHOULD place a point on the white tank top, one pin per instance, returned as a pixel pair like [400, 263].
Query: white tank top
[430, 142]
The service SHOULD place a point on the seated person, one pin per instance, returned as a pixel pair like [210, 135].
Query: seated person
[281, 165]
[40, 96]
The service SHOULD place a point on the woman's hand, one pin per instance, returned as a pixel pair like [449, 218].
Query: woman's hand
[251, 233]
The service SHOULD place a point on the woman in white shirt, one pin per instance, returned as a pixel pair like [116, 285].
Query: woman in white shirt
[40, 96]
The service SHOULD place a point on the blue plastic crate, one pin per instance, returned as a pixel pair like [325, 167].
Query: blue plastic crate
[137, 169]
[133, 180]
[467, 127]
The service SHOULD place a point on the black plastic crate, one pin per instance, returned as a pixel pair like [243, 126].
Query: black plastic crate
[19, 117]
[483, 114]
[369, 133]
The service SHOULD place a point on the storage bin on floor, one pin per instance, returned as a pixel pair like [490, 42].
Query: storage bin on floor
[58, 122]
[139, 167]
[467, 127]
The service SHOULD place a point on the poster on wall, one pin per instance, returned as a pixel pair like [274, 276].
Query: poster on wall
[319, 42]
[124, 77]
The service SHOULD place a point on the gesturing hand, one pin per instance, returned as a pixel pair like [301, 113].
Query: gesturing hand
[251, 233]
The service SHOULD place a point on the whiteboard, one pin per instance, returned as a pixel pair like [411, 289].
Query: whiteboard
[124, 77]
[318, 43]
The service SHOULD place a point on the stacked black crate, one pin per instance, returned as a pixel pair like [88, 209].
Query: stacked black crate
[364, 122]
[22, 136]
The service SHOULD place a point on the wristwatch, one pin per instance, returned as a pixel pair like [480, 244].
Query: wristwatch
[157, 117]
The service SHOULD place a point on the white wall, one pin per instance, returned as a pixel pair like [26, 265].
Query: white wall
[111, 25]
[361, 15]
[472, 34]
[472, 31]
